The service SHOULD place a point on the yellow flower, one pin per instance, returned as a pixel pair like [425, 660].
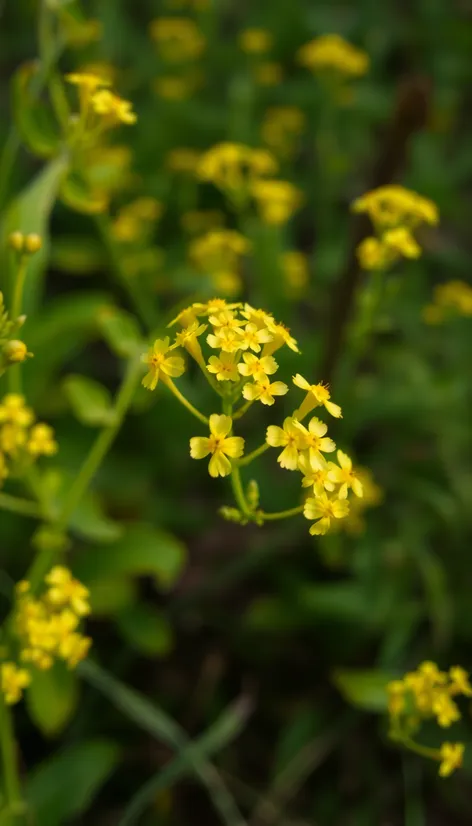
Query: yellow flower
[65, 590]
[445, 709]
[252, 338]
[41, 441]
[288, 437]
[13, 680]
[255, 41]
[263, 391]
[332, 52]
[219, 250]
[13, 410]
[315, 440]
[373, 254]
[315, 473]
[460, 681]
[277, 200]
[451, 758]
[135, 220]
[392, 206]
[280, 335]
[12, 437]
[220, 445]
[178, 39]
[396, 697]
[188, 338]
[401, 241]
[113, 107]
[324, 510]
[251, 365]
[345, 476]
[74, 648]
[160, 364]
[15, 351]
[224, 367]
[258, 317]
[233, 166]
[316, 395]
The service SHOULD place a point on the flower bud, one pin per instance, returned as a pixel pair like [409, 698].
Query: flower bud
[33, 242]
[16, 241]
[232, 515]
[15, 351]
[252, 494]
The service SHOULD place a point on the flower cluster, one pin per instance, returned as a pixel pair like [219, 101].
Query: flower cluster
[99, 107]
[234, 168]
[426, 694]
[246, 340]
[46, 629]
[395, 212]
[330, 52]
[450, 299]
[22, 440]
[179, 43]
[218, 254]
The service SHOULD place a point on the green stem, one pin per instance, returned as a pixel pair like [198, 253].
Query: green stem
[423, 751]
[11, 780]
[242, 410]
[281, 514]
[18, 288]
[23, 506]
[246, 460]
[238, 492]
[178, 395]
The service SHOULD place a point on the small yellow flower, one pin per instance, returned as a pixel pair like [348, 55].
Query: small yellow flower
[280, 336]
[263, 391]
[13, 680]
[224, 367]
[445, 709]
[233, 166]
[315, 439]
[14, 410]
[15, 351]
[12, 437]
[178, 39]
[255, 41]
[373, 254]
[256, 367]
[87, 82]
[315, 473]
[74, 648]
[258, 317]
[392, 206]
[41, 441]
[277, 200]
[188, 338]
[460, 683]
[451, 758]
[332, 52]
[317, 395]
[396, 697]
[65, 590]
[281, 127]
[290, 438]
[252, 338]
[401, 241]
[113, 107]
[324, 510]
[220, 445]
[160, 364]
[345, 476]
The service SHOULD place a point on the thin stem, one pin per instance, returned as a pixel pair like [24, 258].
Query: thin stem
[11, 780]
[242, 410]
[18, 288]
[238, 492]
[246, 460]
[170, 384]
[423, 751]
[23, 506]
[281, 514]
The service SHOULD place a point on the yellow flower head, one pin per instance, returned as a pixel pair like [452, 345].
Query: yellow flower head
[451, 755]
[315, 440]
[232, 167]
[315, 472]
[373, 254]
[280, 336]
[112, 107]
[316, 395]
[219, 250]
[257, 367]
[224, 367]
[160, 364]
[12, 682]
[277, 200]
[290, 438]
[401, 241]
[219, 444]
[330, 52]
[14, 411]
[255, 41]
[41, 441]
[324, 510]
[65, 590]
[264, 391]
[392, 206]
[345, 476]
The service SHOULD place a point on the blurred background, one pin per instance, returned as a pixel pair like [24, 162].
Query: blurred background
[289, 639]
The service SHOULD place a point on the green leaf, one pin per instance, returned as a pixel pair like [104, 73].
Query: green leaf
[30, 212]
[365, 689]
[63, 786]
[121, 332]
[110, 596]
[143, 550]
[90, 522]
[33, 119]
[52, 699]
[146, 630]
[90, 401]
[78, 196]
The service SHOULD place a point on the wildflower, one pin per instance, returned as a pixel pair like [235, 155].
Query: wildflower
[445, 709]
[41, 441]
[12, 437]
[12, 681]
[460, 683]
[277, 200]
[451, 755]
[252, 338]
[255, 41]
[280, 336]
[332, 52]
[188, 338]
[373, 254]
[401, 241]
[258, 317]
[224, 367]
[178, 39]
[161, 364]
[135, 219]
[74, 648]
[315, 439]
[316, 395]
[324, 510]
[393, 205]
[290, 438]
[65, 590]
[113, 107]
[259, 368]
[233, 166]
[15, 351]
[315, 473]
[14, 410]
[263, 391]
[219, 250]
[396, 697]
[220, 445]
[87, 82]
[345, 476]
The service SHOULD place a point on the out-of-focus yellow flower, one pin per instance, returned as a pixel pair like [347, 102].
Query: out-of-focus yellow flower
[178, 39]
[233, 167]
[12, 681]
[392, 206]
[14, 410]
[330, 52]
[264, 391]
[112, 107]
[295, 270]
[345, 476]
[15, 351]
[373, 254]
[451, 755]
[281, 127]
[291, 439]
[277, 200]
[255, 41]
[324, 510]
[64, 590]
[449, 299]
[268, 73]
[41, 441]
[401, 242]
[219, 444]
[183, 160]
[160, 364]
[316, 394]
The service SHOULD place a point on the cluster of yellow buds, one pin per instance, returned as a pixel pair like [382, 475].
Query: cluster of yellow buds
[276, 200]
[100, 108]
[47, 629]
[450, 299]
[218, 254]
[234, 168]
[332, 53]
[135, 221]
[428, 694]
[395, 212]
[281, 127]
[242, 372]
[21, 440]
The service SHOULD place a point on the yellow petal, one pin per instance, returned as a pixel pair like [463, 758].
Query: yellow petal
[199, 447]
[220, 425]
[219, 465]
[299, 381]
[276, 437]
[234, 446]
[321, 527]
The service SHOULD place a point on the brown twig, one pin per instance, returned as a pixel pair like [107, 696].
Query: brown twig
[410, 116]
